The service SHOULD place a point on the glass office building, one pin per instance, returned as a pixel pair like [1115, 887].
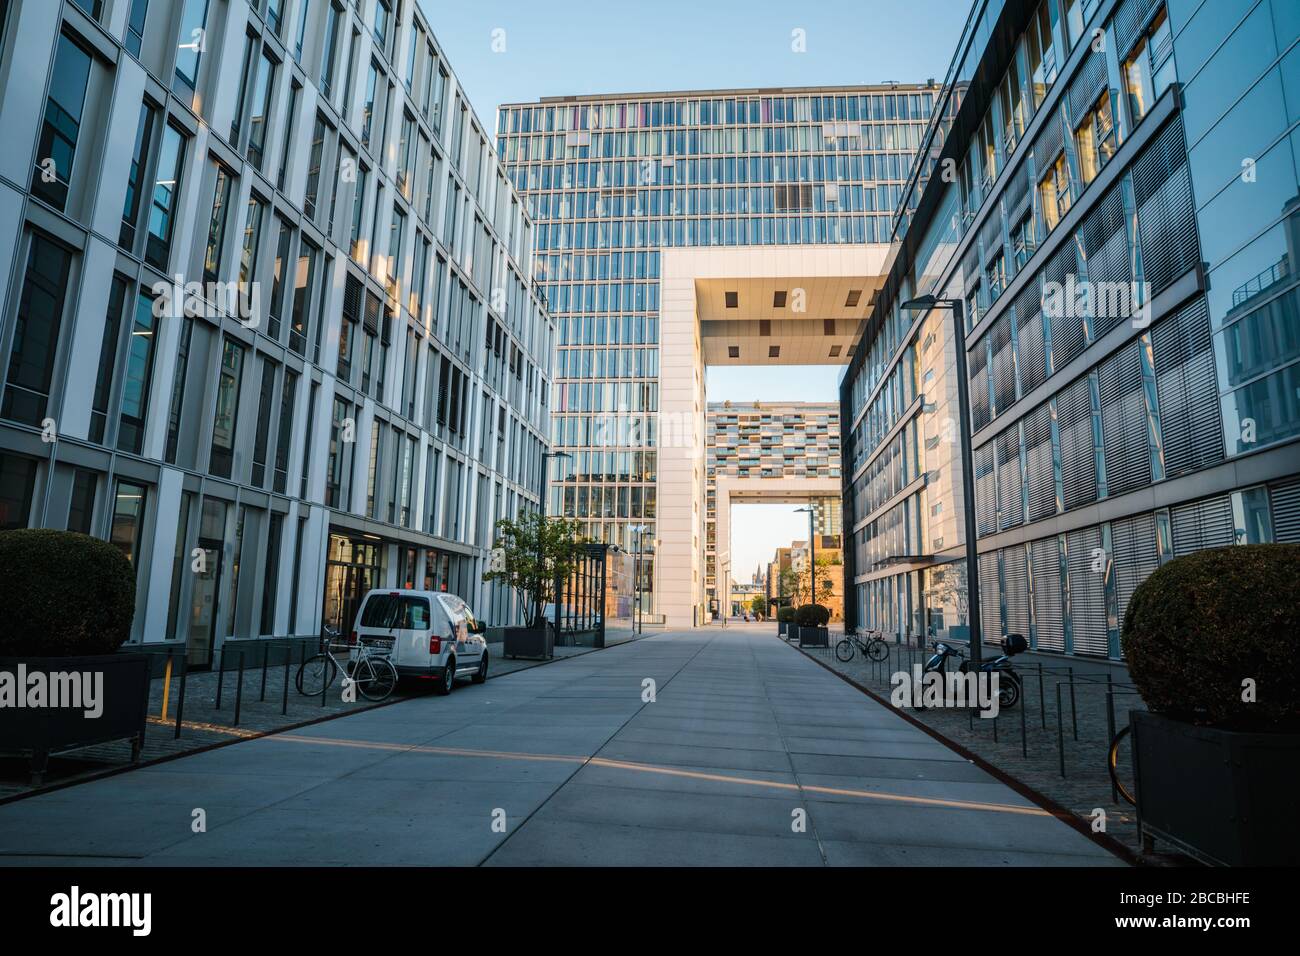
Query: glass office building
[782, 446]
[1111, 188]
[616, 181]
[269, 322]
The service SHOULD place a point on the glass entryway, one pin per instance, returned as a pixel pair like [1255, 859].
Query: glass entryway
[353, 566]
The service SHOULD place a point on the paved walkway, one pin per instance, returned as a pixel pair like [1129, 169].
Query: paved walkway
[750, 754]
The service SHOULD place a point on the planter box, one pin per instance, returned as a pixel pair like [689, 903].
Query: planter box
[780, 628]
[536, 642]
[1225, 797]
[814, 637]
[119, 689]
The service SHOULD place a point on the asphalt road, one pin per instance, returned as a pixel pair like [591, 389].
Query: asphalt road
[746, 753]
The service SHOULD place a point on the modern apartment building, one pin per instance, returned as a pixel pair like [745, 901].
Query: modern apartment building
[762, 452]
[1110, 186]
[269, 322]
[681, 230]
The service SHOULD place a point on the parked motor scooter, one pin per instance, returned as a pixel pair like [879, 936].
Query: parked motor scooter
[1010, 683]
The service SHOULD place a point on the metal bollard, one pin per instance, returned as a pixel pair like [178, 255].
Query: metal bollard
[1060, 729]
[266, 656]
[180, 697]
[284, 702]
[1024, 739]
[1042, 701]
[239, 688]
[221, 679]
[1074, 712]
[1110, 734]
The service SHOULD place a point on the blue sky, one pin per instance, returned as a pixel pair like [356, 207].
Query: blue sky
[567, 47]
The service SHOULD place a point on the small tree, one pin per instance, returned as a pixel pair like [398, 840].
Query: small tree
[757, 604]
[530, 553]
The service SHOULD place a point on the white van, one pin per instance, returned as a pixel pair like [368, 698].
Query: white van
[427, 635]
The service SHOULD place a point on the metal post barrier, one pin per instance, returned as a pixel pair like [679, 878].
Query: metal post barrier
[284, 702]
[1074, 711]
[167, 687]
[1042, 701]
[1060, 729]
[325, 669]
[1024, 739]
[1110, 736]
[221, 677]
[180, 697]
[266, 654]
[239, 688]
[995, 728]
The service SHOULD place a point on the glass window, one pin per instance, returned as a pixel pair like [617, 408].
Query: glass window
[139, 157]
[333, 16]
[17, 480]
[191, 43]
[261, 110]
[61, 127]
[135, 26]
[167, 184]
[252, 242]
[138, 377]
[107, 359]
[217, 225]
[36, 332]
[81, 506]
[128, 519]
[227, 410]
[1250, 516]
[303, 284]
[314, 168]
[284, 430]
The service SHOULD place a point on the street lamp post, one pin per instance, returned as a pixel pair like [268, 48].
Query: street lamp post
[924, 304]
[541, 530]
[812, 554]
[638, 530]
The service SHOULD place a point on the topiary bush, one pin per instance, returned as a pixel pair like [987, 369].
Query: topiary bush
[1203, 624]
[785, 615]
[64, 594]
[812, 615]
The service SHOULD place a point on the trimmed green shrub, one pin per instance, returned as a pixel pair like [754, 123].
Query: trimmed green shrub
[785, 615]
[812, 615]
[1204, 624]
[64, 594]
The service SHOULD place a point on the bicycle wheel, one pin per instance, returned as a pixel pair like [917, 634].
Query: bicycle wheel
[315, 674]
[375, 678]
[877, 650]
[1112, 766]
[1008, 690]
[844, 650]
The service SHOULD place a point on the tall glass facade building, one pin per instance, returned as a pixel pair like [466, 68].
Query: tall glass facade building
[376, 391]
[613, 180]
[1112, 187]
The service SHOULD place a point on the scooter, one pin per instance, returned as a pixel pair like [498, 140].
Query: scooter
[1010, 683]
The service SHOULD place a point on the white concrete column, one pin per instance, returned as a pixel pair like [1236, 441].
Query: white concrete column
[680, 510]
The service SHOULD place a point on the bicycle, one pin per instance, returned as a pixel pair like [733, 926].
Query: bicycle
[373, 674]
[1112, 766]
[873, 648]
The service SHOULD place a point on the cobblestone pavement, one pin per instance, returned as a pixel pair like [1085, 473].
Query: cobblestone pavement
[262, 710]
[1079, 782]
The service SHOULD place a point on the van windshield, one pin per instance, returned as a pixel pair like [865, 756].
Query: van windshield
[389, 611]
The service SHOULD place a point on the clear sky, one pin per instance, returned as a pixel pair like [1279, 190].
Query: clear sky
[757, 531]
[567, 47]
[773, 383]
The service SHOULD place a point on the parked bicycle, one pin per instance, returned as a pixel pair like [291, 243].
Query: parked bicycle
[373, 673]
[874, 647]
[1112, 767]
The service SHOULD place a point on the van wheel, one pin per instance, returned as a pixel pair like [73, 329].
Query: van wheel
[448, 682]
[480, 675]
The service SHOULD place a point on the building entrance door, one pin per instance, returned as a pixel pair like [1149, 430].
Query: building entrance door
[203, 607]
